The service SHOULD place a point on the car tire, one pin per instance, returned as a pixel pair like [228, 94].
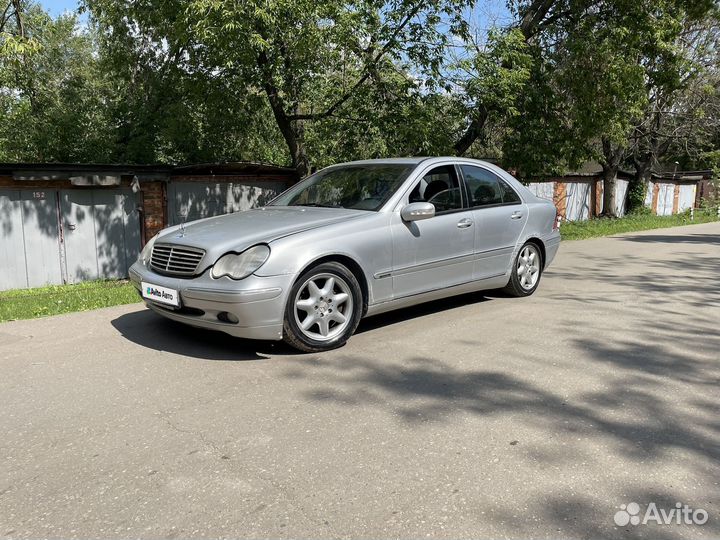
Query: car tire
[323, 310]
[526, 271]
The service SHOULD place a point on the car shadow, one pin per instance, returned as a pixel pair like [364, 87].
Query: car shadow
[158, 333]
[424, 309]
[155, 332]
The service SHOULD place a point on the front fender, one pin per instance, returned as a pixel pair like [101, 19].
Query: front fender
[370, 246]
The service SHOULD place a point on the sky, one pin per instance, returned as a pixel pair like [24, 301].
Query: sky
[57, 7]
[485, 10]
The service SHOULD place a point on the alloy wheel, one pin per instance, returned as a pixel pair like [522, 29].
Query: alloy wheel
[528, 267]
[323, 307]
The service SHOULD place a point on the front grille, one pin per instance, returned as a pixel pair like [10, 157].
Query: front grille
[176, 260]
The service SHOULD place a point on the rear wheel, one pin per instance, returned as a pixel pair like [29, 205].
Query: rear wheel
[526, 271]
[323, 309]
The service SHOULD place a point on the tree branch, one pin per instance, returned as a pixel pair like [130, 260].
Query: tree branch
[367, 71]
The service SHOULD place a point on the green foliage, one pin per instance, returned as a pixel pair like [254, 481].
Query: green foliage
[311, 83]
[54, 101]
[500, 73]
[636, 197]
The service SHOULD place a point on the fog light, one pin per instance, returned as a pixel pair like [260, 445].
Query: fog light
[227, 317]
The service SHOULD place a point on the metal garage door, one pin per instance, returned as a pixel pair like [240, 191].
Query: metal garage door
[100, 236]
[578, 201]
[686, 197]
[101, 233]
[198, 200]
[666, 195]
[29, 239]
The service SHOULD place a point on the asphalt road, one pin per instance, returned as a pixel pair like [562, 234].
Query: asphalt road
[476, 417]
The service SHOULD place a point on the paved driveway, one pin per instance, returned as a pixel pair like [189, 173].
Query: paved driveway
[473, 417]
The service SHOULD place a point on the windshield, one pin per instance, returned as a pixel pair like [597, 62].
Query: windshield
[361, 187]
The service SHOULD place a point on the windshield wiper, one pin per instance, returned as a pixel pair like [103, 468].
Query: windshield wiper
[317, 205]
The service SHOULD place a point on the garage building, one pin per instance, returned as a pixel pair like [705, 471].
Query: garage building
[66, 223]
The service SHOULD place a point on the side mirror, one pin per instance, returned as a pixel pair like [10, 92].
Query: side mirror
[417, 211]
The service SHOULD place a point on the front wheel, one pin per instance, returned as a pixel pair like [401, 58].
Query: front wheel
[323, 309]
[526, 271]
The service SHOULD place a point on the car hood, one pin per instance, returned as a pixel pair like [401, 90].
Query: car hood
[241, 230]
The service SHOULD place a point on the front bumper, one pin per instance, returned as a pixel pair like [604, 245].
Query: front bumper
[257, 303]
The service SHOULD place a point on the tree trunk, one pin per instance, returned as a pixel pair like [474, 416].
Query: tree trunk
[473, 132]
[291, 130]
[612, 158]
[609, 174]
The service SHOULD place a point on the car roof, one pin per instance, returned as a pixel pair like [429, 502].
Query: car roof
[395, 160]
[410, 160]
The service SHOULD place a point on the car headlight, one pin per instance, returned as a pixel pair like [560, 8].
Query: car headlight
[146, 252]
[242, 265]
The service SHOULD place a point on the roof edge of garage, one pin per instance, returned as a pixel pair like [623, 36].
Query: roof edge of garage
[234, 167]
[61, 171]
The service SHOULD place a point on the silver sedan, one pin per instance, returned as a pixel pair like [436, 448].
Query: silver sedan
[350, 241]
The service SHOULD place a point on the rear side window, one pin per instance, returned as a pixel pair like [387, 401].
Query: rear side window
[486, 188]
[508, 194]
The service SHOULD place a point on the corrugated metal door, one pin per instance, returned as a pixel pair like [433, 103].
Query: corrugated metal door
[79, 235]
[117, 231]
[189, 201]
[29, 250]
[666, 194]
[578, 201]
[101, 233]
[12, 243]
[621, 188]
[686, 197]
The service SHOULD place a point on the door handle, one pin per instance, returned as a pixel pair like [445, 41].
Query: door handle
[464, 223]
[516, 215]
[72, 226]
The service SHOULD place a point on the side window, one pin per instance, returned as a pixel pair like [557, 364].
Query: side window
[483, 186]
[439, 186]
[508, 194]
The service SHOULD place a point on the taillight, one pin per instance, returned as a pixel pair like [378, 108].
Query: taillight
[558, 219]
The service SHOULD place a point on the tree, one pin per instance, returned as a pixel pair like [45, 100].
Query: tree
[53, 101]
[506, 58]
[594, 63]
[309, 59]
[683, 87]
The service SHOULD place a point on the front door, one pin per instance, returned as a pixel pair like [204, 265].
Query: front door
[438, 252]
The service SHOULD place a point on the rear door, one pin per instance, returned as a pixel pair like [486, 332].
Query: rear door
[500, 217]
